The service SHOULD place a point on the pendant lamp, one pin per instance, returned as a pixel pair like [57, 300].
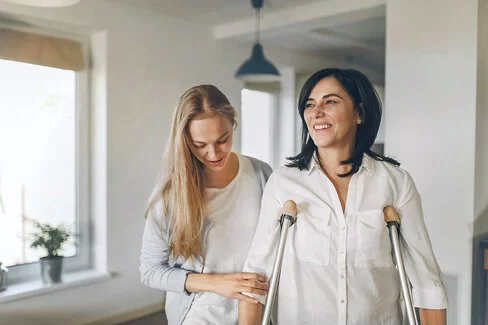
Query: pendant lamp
[257, 67]
[45, 3]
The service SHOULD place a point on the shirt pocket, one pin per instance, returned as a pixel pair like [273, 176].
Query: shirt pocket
[373, 240]
[309, 237]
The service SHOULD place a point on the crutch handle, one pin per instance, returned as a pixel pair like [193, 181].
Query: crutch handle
[391, 215]
[288, 212]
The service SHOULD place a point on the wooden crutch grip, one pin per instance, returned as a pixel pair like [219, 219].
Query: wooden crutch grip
[289, 209]
[390, 214]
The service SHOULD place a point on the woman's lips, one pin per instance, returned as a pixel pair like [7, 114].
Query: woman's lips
[216, 162]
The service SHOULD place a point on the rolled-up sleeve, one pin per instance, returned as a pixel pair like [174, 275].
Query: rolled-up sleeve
[266, 238]
[154, 262]
[421, 266]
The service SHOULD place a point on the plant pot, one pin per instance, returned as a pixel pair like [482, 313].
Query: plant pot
[51, 269]
[3, 277]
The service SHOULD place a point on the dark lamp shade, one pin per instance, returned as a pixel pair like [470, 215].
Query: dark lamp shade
[257, 68]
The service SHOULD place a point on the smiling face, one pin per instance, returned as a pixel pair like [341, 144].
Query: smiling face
[210, 141]
[330, 116]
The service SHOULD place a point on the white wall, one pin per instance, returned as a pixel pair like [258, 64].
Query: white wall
[431, 63]
[481, 189]
[380, 137]
[287, 116]
[150, 61]
[480, 224]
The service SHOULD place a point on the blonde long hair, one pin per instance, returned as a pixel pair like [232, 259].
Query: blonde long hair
[181, 184]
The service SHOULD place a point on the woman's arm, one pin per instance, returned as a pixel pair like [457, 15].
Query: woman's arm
[230, 285]
[432, 316]
[157, 273]
[250, 314]
[428, 291]
[263, 249]
[154, 262]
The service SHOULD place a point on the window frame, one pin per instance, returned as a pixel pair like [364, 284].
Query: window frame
[83, 260]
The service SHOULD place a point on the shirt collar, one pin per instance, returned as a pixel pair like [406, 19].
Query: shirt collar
[314, 165]
[366, 164]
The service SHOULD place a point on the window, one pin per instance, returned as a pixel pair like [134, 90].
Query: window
[43, 157]
[257, 116]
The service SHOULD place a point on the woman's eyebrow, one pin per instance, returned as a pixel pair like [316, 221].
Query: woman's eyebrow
[201, 142]
[330, 95]
[326, 96]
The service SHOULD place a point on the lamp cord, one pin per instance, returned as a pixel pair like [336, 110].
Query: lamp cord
[258, 19]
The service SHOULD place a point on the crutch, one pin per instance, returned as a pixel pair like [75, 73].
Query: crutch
[288, 217]
[393, 223]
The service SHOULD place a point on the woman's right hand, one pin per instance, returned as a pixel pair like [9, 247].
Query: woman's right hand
[230, 285]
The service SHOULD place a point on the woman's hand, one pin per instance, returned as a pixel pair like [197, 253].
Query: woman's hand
[230, 285]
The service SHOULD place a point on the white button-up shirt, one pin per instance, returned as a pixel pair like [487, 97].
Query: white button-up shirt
[338, 267]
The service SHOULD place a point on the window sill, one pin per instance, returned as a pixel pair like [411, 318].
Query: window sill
[36, 288]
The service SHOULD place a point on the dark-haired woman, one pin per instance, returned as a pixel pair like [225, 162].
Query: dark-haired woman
[338, 267]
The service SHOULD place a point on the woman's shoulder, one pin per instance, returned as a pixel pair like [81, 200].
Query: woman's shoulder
[291, 171]
[386, 169]
[155, 210]
[258, 165]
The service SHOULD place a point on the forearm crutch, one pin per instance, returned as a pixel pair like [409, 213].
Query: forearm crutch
[288, 217]
[393, 223]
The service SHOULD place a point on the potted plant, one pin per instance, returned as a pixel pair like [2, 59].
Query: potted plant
[51, 239]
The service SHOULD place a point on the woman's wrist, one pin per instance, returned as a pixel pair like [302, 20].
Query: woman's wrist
[197, 282]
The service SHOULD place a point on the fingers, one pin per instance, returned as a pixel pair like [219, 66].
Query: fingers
[253, 276]
[242, 297]
[257, 291]
[255, 284]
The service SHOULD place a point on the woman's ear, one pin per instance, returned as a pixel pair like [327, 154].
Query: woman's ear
[361, 114]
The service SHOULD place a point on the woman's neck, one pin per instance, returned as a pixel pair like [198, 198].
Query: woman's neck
[330, 160]
[220, 179]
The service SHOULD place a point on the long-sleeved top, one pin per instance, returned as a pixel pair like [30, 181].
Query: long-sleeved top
[338, 267]
[233, 212]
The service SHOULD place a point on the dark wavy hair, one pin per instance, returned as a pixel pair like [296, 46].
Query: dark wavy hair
[368, 105]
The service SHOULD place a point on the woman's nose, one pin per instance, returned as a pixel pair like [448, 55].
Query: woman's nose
[212, 151]
[319, 110]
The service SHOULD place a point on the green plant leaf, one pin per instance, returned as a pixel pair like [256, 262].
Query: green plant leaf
[50, 238]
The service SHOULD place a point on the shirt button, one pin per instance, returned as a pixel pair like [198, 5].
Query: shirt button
[342, 301]
[343, 228]
[342, 252]
[342, 276]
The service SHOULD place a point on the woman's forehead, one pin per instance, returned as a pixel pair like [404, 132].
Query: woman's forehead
[209, 128]
[327, 86]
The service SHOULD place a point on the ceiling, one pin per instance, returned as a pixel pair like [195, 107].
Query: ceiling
[359, 41]
[212, 12]
[362, 42]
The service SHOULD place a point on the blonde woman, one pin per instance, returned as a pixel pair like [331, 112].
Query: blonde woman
[202, 215]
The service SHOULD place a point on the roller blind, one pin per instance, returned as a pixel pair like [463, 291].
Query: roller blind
[41, 50]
